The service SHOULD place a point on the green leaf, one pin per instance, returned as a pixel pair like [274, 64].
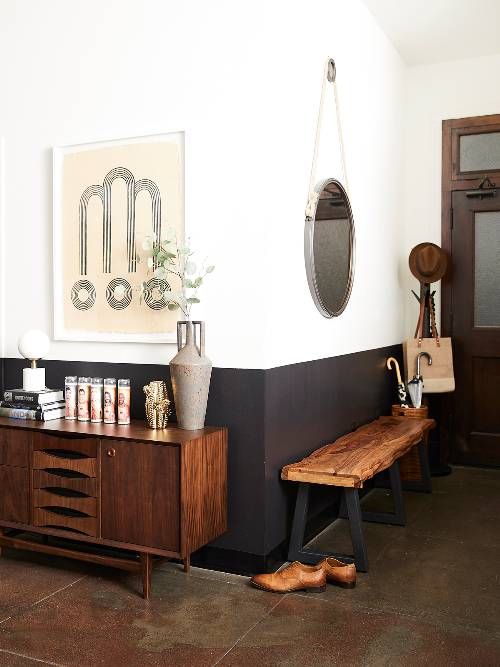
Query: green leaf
[197, 282]
[210, 268]
[173, 306]
[189, 284]
[160, 273]
[165, 256]
[193, 299]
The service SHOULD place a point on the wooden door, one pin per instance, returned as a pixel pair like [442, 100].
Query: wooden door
[475, 306]
[140, 496]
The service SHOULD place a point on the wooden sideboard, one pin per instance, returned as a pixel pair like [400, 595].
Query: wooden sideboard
[152, 493]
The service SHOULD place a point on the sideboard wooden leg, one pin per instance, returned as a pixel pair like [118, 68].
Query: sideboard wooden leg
[187, 563]
[147, 567]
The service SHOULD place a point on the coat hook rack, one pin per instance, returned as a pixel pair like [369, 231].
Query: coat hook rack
[426, 298]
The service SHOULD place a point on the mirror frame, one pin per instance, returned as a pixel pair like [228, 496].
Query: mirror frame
[309, 250]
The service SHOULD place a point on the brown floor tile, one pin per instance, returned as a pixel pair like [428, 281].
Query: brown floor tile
[475, 520]
[26, 578]
[427, 579]
[12, 660]
[303, 631]
[468, 478]
[188, 621]
[200, 573]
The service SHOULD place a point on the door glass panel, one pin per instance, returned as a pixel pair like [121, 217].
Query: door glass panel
[487, 269]
[480, 152]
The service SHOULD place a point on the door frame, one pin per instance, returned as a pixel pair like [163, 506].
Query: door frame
[452, 179]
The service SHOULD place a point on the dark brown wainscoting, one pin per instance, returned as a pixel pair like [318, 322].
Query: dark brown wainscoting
[274, 416]
[311, 404]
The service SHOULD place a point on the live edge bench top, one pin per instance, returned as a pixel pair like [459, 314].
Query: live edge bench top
[358, 456]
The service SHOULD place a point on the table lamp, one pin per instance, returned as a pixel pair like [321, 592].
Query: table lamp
[33, 345]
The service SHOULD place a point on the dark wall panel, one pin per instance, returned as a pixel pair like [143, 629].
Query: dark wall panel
[274, 417]
[311, 404]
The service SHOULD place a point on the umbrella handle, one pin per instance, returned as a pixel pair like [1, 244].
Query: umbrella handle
[394, 362]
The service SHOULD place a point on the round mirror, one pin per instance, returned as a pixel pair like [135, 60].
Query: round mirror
[329, 248]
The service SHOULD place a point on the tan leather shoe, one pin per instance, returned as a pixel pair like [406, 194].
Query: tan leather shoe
[295, 577]
[339, 573]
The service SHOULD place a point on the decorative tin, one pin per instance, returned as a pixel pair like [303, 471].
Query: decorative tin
[96, 394]
[84, 399]
[109, 400]
[124, 401]
[70, 396]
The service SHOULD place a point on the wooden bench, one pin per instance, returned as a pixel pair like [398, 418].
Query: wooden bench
[348, 463]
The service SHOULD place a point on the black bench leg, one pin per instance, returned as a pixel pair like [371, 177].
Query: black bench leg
[356, 527]
[296, 550]
[398, 517]
[299, 523]
[397, 495]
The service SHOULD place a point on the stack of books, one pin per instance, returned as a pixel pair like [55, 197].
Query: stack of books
[43, 405]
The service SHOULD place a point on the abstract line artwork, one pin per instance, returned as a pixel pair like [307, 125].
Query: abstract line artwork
[119, 293]
[108, 198]
[104, 193]
[153, 294]
[83, 295]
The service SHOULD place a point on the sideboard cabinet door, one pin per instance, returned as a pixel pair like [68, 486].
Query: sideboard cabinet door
[140, 494]
[14, 494]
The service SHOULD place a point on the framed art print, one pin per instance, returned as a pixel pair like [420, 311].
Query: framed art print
[110, 197]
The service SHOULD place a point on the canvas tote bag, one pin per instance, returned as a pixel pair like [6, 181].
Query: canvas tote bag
[439, 377]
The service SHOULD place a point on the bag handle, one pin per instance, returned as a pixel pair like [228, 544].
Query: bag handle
[419, 331]
[329, 76]
[433, 320]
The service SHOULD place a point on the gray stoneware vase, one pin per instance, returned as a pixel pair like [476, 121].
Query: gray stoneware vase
[190, 371]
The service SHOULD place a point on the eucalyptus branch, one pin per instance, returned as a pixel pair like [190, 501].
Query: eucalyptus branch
[169, 261]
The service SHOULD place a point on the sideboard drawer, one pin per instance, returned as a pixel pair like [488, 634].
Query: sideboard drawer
[43, 499]
[60, 460]
[14, 447]
[50, 479]
[75, 445]
[68, 521]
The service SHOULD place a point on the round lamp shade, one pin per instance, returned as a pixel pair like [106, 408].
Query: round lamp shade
[34, 344]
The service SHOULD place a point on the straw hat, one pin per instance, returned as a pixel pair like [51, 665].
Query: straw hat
[428, 262]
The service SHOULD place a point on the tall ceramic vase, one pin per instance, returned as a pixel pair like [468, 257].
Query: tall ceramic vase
[190, 371]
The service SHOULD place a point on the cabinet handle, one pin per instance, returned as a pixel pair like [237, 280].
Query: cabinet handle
[111, 451]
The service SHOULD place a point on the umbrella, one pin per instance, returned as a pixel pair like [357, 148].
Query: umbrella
[416, 384]
[401, 388]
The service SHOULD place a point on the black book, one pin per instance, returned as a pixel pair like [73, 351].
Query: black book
[33, 397]
[28, 406]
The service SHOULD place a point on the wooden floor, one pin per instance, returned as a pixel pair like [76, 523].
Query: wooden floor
[432, 597]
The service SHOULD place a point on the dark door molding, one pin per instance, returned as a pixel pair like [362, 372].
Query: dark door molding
[453, 179]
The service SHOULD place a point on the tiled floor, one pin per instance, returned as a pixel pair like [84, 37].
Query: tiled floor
[432, 597]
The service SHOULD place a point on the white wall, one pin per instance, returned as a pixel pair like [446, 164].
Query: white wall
[243, 80]
[435, 93]
[370, 83]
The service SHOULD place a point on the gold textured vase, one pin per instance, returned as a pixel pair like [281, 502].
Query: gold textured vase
[157, 404]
